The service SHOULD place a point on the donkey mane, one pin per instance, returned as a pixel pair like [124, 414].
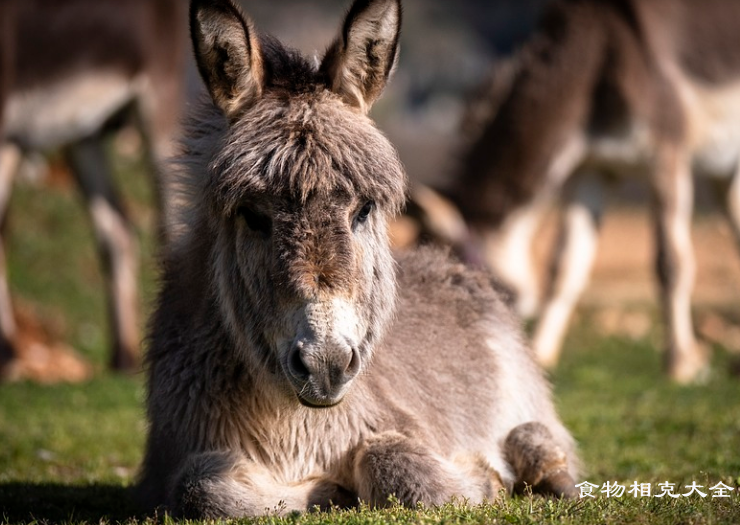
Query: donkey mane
[294, 156]
[286, 69]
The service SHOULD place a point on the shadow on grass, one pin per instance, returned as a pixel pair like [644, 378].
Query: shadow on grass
[55, 503]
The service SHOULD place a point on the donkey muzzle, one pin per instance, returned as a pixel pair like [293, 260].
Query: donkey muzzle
[321, 372]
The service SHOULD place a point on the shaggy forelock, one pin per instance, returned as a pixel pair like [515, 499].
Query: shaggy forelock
[305, 146]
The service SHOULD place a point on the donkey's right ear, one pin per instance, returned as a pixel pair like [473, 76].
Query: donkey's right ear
[228, 54]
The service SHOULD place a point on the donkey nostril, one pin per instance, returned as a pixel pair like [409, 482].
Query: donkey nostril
[297, 366]
[354, 364]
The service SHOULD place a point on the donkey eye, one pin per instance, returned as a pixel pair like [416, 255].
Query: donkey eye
[363, 214]
[256, 222]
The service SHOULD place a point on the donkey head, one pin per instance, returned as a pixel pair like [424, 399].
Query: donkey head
[298, 195]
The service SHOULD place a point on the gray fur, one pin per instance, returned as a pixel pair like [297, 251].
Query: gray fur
[293, 360]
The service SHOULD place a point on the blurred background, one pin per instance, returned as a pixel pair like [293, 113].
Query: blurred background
[447, 50]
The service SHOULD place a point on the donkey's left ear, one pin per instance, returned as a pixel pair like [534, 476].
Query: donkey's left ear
[228, 54]
[360, 61]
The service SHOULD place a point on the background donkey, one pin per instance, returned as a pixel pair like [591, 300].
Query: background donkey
[67, 69]
[628, 88]
[279, 376]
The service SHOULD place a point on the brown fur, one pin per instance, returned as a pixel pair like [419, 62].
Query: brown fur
[704, 37]
[293, 362]
[498, 172]
[586, 53]
[69, 69]
[618, 88]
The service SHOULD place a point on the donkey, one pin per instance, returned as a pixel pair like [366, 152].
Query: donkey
[66, 70]
[607, 88]
[292, 362]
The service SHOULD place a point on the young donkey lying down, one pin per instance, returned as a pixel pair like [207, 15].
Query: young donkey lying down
[292, 362]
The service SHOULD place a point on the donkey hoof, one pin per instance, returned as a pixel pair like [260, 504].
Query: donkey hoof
[559, 484]
[690, 369]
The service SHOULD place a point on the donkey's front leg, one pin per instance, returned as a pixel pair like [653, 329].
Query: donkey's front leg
[391, 464]
[538, 462]
[674, 195]
[228, 485]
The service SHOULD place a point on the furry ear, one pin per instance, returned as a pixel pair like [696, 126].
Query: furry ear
[360, 61]
[228, 54]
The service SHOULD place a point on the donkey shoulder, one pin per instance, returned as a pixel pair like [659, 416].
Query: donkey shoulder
[432, 276]
[461, 312]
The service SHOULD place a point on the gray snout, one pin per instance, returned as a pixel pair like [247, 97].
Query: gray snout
[321, 373]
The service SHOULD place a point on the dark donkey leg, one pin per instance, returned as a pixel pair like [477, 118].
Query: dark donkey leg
[10, 157]
[116, 244]
[392, 464]
[538, 462]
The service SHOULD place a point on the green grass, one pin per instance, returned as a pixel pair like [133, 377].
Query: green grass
[69, 453]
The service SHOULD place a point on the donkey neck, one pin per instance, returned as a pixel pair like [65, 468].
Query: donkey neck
[296, 442]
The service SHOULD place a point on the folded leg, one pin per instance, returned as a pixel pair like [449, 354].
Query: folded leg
[228, 485]
[538, 461]
[391, 464]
